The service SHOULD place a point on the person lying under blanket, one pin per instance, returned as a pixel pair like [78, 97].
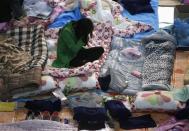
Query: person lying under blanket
[70, 47]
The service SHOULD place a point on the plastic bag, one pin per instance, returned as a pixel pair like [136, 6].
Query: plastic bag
[101, 15]
[181, 31]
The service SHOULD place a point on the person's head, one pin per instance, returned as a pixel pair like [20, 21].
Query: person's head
[84, 27]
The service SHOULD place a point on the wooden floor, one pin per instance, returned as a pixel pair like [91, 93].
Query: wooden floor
[181, 64]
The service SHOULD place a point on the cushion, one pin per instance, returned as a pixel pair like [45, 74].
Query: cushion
[155, 100]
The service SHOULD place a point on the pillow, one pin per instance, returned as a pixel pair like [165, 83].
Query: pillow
[155, 100]
[87, 4]
[48, 84]
[78, 83]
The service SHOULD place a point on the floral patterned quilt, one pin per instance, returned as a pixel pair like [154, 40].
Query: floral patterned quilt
[102, 36]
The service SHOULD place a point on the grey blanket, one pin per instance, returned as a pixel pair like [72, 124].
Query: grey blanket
[159, 61]
[37, 125]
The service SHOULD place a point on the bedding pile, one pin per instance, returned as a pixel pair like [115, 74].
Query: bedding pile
[133, 74]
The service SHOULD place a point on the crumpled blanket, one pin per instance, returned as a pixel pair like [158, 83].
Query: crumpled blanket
[37, 8]
[60, 6]
[13, 59]
[31, 39]
[122, 27]
[174, 125]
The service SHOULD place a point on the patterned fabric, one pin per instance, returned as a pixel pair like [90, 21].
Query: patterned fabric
[159, 61]
[32, 40]
[37, 8]
[78, 83]
[155, 101]
[122, 66]
[47, 84]
[87, 4]
[122, 27]
[101, 37]
[37, 125]
[20, 83]
[173, 125]
[13, 59]
[52, 33]
[59, 6]
[82, 99]
[29, 21]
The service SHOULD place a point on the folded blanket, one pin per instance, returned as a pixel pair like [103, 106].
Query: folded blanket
[159, 61]
[24, 82]
[20, 69]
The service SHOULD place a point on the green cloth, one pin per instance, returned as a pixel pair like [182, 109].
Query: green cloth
[67, 47]
[181, 94]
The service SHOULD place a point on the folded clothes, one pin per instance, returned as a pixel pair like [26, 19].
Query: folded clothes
[144, 121]
[87, 125]
[90, 114]
[137, 6]
[27, 81]
[136, 9]
[20, 83]
[117, 110]
[136, 1]
[43, 105]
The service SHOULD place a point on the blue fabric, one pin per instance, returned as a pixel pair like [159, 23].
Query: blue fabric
[65, 18]
[181, 31]
[148, 18]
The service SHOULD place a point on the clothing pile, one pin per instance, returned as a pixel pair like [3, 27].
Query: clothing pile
[133, 74]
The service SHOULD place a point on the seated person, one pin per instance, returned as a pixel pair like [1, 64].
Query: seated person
[72, 38]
